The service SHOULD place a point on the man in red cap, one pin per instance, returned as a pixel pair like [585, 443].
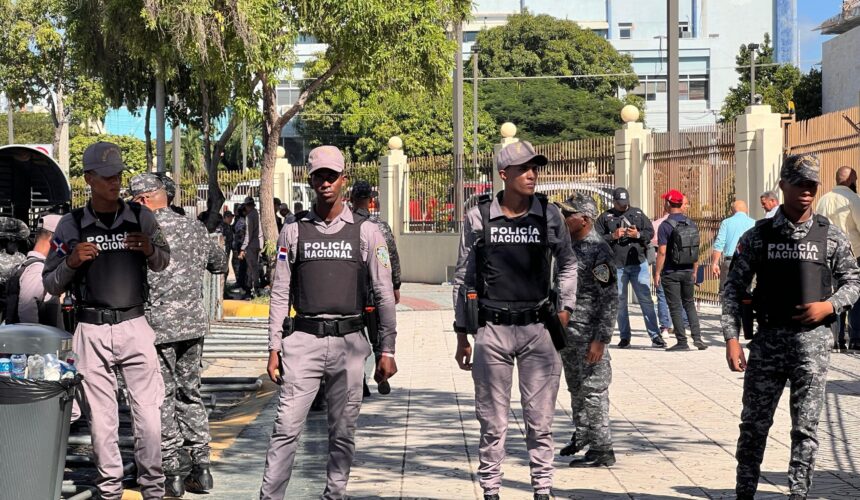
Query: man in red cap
[677, 260]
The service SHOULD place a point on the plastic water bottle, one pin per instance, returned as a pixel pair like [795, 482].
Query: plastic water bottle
[67, 368]
[5, 367]
[36, 367]
[19, 365]
[52, 367]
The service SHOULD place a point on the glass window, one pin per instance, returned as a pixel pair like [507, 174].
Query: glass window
[625, 31]
[684, 29]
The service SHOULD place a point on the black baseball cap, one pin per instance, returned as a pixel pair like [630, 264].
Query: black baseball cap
[621, 196]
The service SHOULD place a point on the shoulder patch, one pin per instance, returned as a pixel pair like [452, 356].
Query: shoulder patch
[601, 273]
[382, 256]
[158, 238]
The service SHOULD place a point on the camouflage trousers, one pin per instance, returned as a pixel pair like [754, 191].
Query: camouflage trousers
[777, 356]
[184, 422]
[589, 395]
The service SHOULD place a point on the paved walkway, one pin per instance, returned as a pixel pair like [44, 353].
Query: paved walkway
[674, 421]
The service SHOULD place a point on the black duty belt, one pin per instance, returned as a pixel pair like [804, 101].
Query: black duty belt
[96, 316]
[327, 327]
[508, 317]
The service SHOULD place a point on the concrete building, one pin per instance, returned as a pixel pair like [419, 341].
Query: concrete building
[840, 64]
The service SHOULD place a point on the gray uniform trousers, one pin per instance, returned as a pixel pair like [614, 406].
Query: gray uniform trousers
[184, 422]
[130, 347]
[305, 360]
[589, 395]
[539, 367]
[777, 356]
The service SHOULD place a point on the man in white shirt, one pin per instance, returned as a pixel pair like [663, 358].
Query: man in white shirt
[842, 207]
[770, 203]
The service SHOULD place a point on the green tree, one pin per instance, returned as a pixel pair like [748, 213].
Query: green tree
[808, 94]
[38, 65]
[548, 111]
[29, 128]
[530, 45]
[360, 117]
[775, 82]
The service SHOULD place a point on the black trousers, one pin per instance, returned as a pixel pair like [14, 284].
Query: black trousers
[679, 288]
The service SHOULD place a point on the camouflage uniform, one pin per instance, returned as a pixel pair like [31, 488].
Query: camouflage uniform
[180, 322]
[12, 232]
[389, 241]
[795, 354]
[593, 318]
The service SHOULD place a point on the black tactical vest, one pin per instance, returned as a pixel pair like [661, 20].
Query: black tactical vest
[791, 273]
[329, 275]
[116, 279]
[513, 258]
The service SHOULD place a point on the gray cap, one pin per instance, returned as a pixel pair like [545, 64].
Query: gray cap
[49, 222]
[169, 185]
[800, 168]
[579, 203]
[328, 157]
[103, 158]
[144, 183]
[519, 153]
[13, 229]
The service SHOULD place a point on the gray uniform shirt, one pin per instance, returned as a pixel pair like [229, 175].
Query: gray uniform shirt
[746, 260]
[176, 293]
[57, 275]
[32, 291]
[596, 291]
[374, 252]
[559, 240]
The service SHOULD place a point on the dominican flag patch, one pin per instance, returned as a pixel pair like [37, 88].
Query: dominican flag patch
[58, 246]
[282, 253]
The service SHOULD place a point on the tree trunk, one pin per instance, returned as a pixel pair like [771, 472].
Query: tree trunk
[147, 133]
[215, 197]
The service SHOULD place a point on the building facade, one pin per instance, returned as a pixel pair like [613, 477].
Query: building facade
[840, 63]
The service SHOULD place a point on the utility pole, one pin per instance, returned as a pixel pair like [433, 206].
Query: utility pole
[753, 47]
[244, 144]
[10, 120]
[177, 148]
[475, 50]
[159, 125]
[674, 97]
[458, 126]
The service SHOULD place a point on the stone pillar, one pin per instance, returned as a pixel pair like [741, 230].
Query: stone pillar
[283, 188]
[631, 172]
[508, 131]
[393, 187]
[758, 155]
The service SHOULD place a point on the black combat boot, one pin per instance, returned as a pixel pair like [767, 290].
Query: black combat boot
[594, 459]
[200, 479]
[541, 496]
[571, 448]
[797, 496]
[494, 496]
[174, 486]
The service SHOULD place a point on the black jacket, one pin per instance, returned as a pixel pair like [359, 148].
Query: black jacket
[628, 251]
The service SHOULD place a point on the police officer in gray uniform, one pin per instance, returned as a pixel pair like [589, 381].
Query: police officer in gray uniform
[102, 252]
[180, 323]
[586, 358]
[505, 265]
[327, 263]
[797, 258]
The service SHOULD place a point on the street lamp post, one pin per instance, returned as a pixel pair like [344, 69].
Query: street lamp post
[752, 48]
[475, 50]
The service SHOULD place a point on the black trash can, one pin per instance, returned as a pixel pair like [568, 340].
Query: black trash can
[34, 418]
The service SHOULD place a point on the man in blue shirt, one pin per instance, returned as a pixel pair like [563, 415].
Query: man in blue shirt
[726, 243]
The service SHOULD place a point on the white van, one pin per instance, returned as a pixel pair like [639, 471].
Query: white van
[302, 193]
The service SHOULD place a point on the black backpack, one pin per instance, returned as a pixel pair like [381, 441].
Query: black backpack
[684, 242]
[13, 290]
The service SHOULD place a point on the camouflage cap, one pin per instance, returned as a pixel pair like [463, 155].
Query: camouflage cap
[169, 185]
[13, 229]
[144, 183]
[579, 203]
[799, 168]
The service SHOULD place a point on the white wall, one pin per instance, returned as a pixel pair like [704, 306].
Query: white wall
[841, 72]
[424, 258]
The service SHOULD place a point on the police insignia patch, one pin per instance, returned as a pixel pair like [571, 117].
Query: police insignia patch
[601, 273]
[382, 255]
[158, 239]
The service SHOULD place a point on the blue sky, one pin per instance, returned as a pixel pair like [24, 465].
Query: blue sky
[810, 13]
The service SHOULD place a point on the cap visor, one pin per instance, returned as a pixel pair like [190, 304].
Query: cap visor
[326, 166]
[108, 171]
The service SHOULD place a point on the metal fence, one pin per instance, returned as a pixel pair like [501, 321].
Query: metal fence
[700, 163]
[577, 166]
[833, 137]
